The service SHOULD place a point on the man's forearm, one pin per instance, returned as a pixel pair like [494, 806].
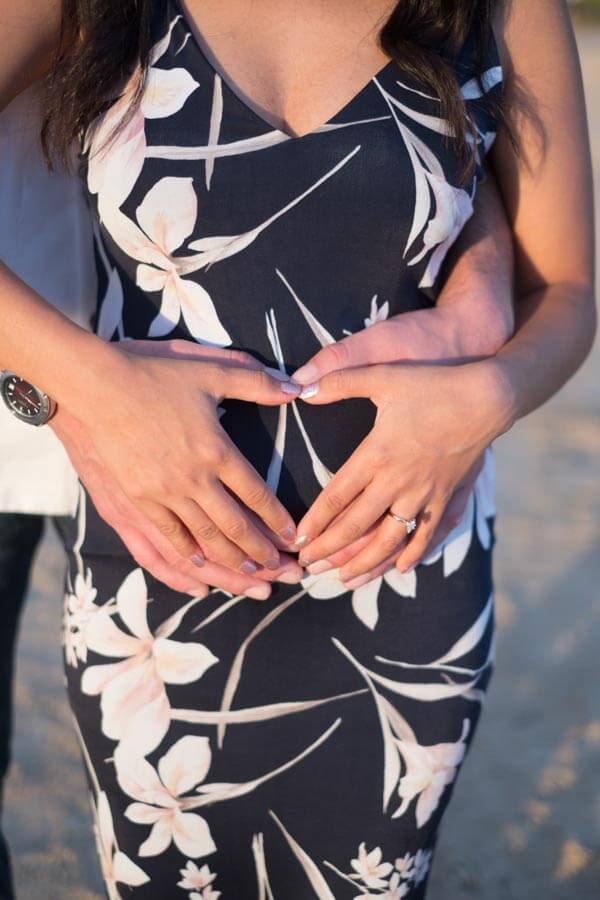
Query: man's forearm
[478, 277]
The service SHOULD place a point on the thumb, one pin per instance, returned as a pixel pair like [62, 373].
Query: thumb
[342, 384]
[354, 350]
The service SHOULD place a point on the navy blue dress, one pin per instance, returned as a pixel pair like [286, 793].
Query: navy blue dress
[306, 746]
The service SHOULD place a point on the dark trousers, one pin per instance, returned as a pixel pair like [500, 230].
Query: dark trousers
[19, 537]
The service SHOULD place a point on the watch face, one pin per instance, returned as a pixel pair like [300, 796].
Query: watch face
[24, 400]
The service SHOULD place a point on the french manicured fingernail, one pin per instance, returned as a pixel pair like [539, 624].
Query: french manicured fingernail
[306, 374]
[258, 593]
[321, 565]
[289, 533]
[300, 540]
[309, 391]
[355, 583]
[198, 559]
[273, 564]
[289, 388]
[248, 567]
[290, 577]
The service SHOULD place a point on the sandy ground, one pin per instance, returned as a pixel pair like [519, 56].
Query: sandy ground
[525, 823]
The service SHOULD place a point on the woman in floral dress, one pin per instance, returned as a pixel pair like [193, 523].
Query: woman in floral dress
[257, 242]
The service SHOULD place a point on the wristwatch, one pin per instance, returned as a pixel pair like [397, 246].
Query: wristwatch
[25, 401]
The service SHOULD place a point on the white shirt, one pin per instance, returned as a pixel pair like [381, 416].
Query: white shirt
[46, 239]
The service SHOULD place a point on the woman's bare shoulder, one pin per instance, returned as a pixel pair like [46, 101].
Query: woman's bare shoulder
[29, 34]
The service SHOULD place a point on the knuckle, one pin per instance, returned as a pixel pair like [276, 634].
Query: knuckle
[380, 457]
[333, 501]
[389, 543]
[169, 528]
[207, 532]
[237, 529]
[339, 381]
[352, 531]
[259, 497]
[339, 353]
[219, 454]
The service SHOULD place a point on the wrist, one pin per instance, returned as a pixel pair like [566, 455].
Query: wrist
[494, 395]
[86, 387]
[479, 318]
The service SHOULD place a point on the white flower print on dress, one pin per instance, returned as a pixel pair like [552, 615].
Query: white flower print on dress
[387, 881]
[422, 865]
[453, 208]
[429, 769]
[79, 608]
[194, 878]
[479, 509]
[116, 867]
[365, 598]
[167, 216]
[377, 315]
[207, 894]
[135, 706]
[158, 795]
[116, 155]
[371, 874]
[369, 867]
[404, 865]
[396, 889]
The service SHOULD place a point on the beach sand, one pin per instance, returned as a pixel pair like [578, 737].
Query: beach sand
[525, 820]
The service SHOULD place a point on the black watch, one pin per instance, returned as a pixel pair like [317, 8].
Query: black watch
[25, 401]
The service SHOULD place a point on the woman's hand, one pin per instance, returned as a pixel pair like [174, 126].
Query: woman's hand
[150, 549]
[156, 430]
[432, 426]
[467, 326]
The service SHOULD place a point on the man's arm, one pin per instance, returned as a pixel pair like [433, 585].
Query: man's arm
[478, 276]
[473, 316]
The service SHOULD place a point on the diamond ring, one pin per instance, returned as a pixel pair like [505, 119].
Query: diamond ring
[409, 524]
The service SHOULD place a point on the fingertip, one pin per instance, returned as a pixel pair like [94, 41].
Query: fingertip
[260, 592]
[306, 374]
[309, 391]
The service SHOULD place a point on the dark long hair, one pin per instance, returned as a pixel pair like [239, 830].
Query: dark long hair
[103, 41]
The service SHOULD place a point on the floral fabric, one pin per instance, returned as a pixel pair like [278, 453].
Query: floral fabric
[306, 746]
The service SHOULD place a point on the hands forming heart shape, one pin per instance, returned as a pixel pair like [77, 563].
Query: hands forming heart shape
[190, 508]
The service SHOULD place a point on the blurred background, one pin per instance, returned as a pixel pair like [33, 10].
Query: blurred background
[525, 821]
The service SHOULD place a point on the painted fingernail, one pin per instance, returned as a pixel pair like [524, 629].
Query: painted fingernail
[248, 567]
[290, 577]
[300, 540]
[321, 565]
[289, 533]
[277, 373]
[198, 559]
[273, 564]
[289, 388]
[306, 374]
[355, 583]
[309, 391]
[258, 593]
[305, 561]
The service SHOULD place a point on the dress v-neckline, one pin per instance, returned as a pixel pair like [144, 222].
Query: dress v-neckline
[247, 102]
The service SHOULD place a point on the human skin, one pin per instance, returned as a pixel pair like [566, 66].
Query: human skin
[547, 190]
[473, 318]
[86, 376]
